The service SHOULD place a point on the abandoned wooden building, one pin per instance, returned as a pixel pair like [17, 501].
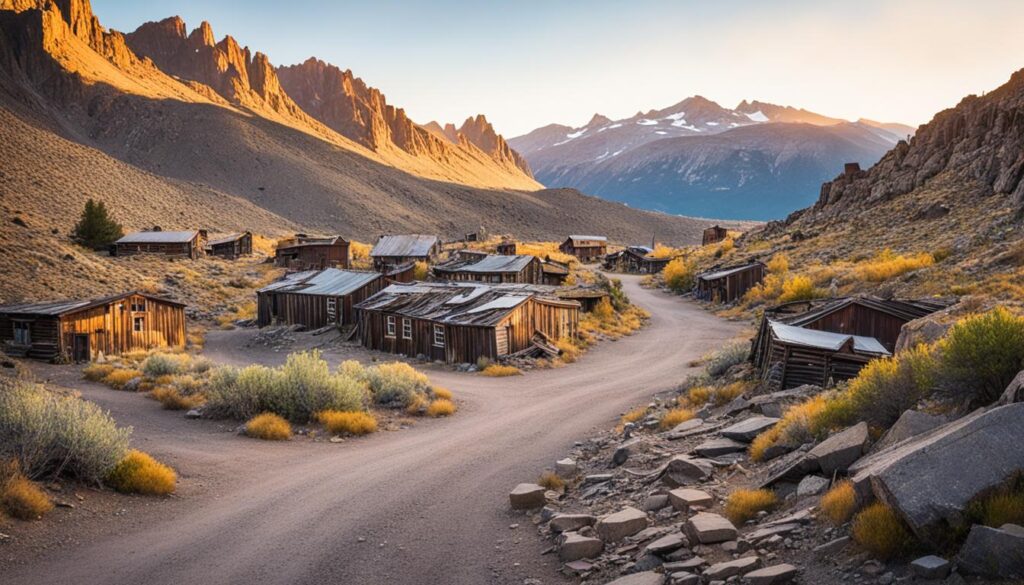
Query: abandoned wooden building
[396, 250]
[830, 340]
[506, 248]
[231, 246]
[316, 298]
[727, 284]
[490, 268]
[586, 248]
[635, 260]
[303, 252]
[185, 244]
[714, 234]
[80, 330]
[553, 273]
[462, 322]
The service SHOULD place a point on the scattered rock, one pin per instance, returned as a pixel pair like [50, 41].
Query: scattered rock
[811, 485]
[707, 528]
[683, 470]
[625, 522]
[683, 498]
[684, 578]
[575, 546]
[740, 566]
[747, 430]
[566, 468]
[1014, 391]
[832, 546]
[910, 424]
[645, 578]
[721, 446]
[666, 544]
[656, 502]
[526, 496]
[930, 567]
[773, 575]
[193, 414]
[571, 522]
[993, 553]
[769, 531]
[620, 455]
[838, 452]
[597, 478]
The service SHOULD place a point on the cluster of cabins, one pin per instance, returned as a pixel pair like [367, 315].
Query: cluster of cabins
[192, 244]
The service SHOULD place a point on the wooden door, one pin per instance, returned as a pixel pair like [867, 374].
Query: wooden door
[502, 340]
[80, 347]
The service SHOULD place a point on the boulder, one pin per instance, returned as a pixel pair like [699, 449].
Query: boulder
[740, 566]
[644, 578]
[690, 564]
[597, 478]
[707, 528]
[656, 502]
[838, 452]
[566, 468]
[924, 330]
[910, 424]
[770, 531]
[683, 498]
[683, 470]
[684, 578]
[747, 430]
[993, 553]
[930, 567]
[626, 522]
[931, 479]
[575, 546]
[666, 544]
[773, 575]
[687, 425]
[1014, 391]
[526, 496]
[620, 455]
[571, 522]
[721, 446]
[811, 485]
[1013, 529]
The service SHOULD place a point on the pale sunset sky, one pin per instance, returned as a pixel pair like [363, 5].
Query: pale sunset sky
[529, 63]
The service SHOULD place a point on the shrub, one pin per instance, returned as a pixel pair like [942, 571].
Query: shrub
[880, 532]
[674, 417]
[980, 356]
[744, 504]
[49, 434]
[95, 228]
[483, 362]
[97, 372]
[201, 365]
[139, 473]
[550, 480]
[118, 378]
[699, 395]
[886, 265]
[171, 398]
[348, 422]
[441, 407]
[799, 288]
[396, 383]
[603, 310]
[778, 264]
[352, 369]
[500, 371]
[839, 503]
[442, 393]
[1003, 508]
[634, 415]
[679, 274]
[420, 270]
[725, 394]
[417, 406]
[23, 499]
[719, 362]
[269, 427]
[165, 364]
[802, 423]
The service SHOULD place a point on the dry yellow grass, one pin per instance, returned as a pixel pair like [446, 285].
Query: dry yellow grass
[570, 351]
[172, 399]
[779, 263]
[442, 393]
[798, 288]
[675, 416]
[634, 415]
[800, 424]
[269, 427]
[417, 405]
[24, 500]
[139, 473]
[744, 504]
[886, 265]
[551, 481]
[500, 371]
[699, 395]
[348, 422]
[1003, 508]
[441, 407]
[97, 372]
[119, 377]
[879, 531]
[839, 503]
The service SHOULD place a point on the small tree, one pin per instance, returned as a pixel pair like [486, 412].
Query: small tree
[96, 229]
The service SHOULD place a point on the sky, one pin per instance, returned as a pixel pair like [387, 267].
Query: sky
[529, 63]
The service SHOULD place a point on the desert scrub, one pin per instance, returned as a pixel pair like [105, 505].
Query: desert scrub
[568, 350]
[839, 503]
[799, 288]
[980, 356]
[172, 399]
[674, 417]
[394, 384]
[269, 427]
[879, 531]
[165, 364]
[441, 407]
[97, 372]
[550, 480]
[801, 423]
[699, 395]
[139, 473]
[348, 422]
[50, 435]
[744, 504]
[23, 499]
[679, 274]
[720, 361]
[500, 371]
[778, 264]
[119, 378]
[886, 265]
[442, 393]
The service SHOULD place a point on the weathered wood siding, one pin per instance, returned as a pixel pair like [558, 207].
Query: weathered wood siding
[193, 249]
[791, 366]
[233, 249]
[586, 251]
[311, 310]
[732, 287]
[314, 256]
[530, 274]
[859, 320]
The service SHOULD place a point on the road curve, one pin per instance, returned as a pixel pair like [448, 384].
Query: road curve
[424, 505]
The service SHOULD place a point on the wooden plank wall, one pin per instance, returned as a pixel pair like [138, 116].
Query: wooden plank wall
[110, 327]
[858, 320]
[311, 310]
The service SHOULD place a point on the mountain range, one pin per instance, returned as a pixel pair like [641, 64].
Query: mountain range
[758, 160]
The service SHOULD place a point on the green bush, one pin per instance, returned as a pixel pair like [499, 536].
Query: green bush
[980, 356]
[719, 362]
[164, 364]
[396, 384]
[49, 434]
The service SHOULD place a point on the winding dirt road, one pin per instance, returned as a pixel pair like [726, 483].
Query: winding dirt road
[424, 505]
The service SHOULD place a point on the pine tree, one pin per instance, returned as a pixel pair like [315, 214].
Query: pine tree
[96, 229]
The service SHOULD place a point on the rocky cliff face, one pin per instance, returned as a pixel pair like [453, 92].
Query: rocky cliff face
[479, 132]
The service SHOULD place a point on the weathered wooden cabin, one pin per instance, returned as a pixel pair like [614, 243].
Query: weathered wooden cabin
[491, 268]
[586, 248]
[303, 252]
[462, 322]
[553, 273]
[588, 296]
[186, 244]
[725, 285]
[81, 330]
[316, 298]
[815, 342]
[635, 260]
[506, 248]
[231, 246]
[396, 250]
[714, 234]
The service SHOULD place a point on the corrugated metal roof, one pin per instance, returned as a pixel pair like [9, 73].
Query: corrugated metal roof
[312, 241]
[404, 245]
[597, 238]
[225, 239]
[826, 339]
[158, 237]
[63, 307]
[726, 271]
[487, 263]
[330, 282]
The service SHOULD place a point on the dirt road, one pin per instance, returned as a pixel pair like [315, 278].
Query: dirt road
[425, 505]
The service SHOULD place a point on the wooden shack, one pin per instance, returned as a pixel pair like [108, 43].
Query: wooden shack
[829, 340]
[727, 284]
[80, 330]
[506, 248]
[185, 244]
[586, 248]
[231, 246]
[303, 252]
[462, 322]
[396, 250]
[553, 273]
[635, 260]
[316, 298]
[490, 268]
[714, 234]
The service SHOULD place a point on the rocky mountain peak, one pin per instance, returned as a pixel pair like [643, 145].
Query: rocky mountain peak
[598, 120]
[202, 36]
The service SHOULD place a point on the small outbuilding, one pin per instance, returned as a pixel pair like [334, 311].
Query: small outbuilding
[303, 252]
[714, 234]
[184, 244]
[316, 298]
[506, 248]
[231, 246]
[80, 330]
[491, 268]
[553, 273]
[727, 284]
[635, 260]
[395, 250]
[586, 248]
